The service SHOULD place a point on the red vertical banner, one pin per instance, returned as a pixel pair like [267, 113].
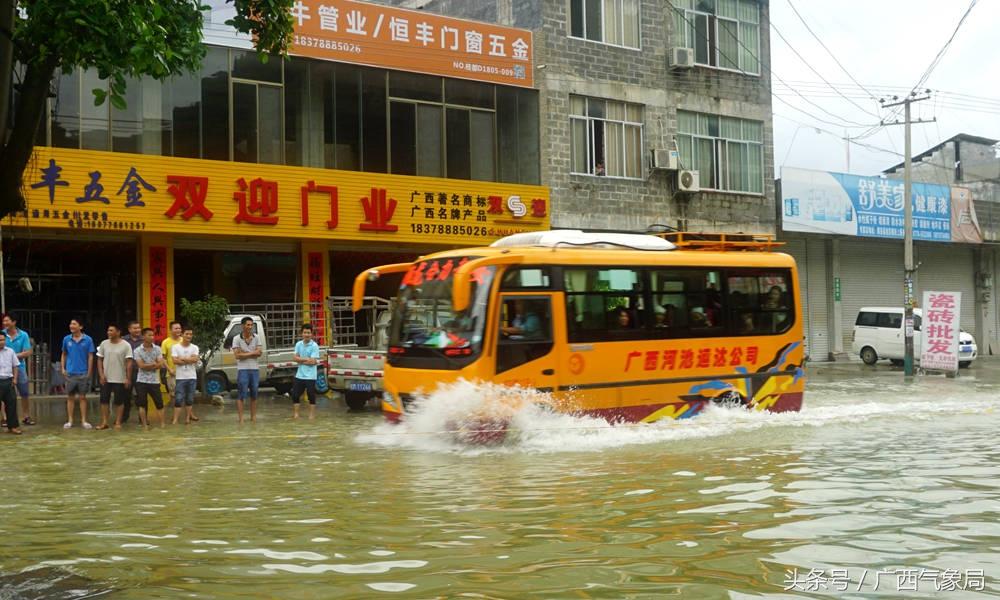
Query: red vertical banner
[317, 314]
[158, 291]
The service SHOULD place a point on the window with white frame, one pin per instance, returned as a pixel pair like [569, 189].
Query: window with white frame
[606, 137]
[613, 22]
[723, 33]
[727, 152]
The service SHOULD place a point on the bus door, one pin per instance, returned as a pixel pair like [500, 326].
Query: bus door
[526, 349]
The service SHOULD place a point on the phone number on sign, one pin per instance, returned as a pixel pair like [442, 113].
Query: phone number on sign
[436, 228]
[311, 42]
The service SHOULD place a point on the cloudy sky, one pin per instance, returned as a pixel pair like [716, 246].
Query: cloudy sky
[886, 45]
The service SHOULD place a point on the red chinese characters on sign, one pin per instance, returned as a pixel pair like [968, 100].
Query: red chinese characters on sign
[940, 343]
[331, 191]
[314, 262]
[688, 358]
[189, 197]
[158, 291]
[496, 205]
[258, 201]
[538, 207]
[378, 212]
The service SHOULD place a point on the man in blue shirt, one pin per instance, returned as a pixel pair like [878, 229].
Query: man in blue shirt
[78, 368]
[307, 356]
[20, 342]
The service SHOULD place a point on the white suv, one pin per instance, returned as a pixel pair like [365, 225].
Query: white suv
[878, 334]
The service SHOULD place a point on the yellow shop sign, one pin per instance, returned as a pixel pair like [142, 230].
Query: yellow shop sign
[110, 191]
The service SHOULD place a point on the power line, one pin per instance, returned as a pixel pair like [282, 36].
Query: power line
[806, 63]
[828, 51]
[947, 44]
[764, 67]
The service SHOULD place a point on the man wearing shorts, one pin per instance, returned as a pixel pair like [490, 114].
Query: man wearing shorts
[246, 349]
[307, 355]
[78, 367]
[171, 380]
[149, 359]
[134, 339]
[9, 372]
[20, 342]
[114, 368]
[185, 355]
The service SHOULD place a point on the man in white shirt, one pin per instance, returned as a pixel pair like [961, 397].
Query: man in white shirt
[185, 355]
[9, 371]
[246, 349]
[114, 368]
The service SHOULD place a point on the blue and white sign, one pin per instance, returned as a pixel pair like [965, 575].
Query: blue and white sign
[838, 203]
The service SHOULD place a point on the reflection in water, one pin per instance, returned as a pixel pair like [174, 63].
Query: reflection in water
[725, 503]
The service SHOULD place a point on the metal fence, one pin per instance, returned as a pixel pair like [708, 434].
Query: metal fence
[284, 320]
[334, 322]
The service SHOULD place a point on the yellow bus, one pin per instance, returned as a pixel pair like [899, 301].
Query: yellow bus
[628, 327]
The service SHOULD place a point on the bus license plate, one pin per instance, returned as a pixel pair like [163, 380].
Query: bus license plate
[359, 386]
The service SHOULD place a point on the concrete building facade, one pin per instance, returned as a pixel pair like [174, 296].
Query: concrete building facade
[592, 57]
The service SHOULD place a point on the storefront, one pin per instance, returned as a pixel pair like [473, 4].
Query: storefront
[845, 233]
[277, 182]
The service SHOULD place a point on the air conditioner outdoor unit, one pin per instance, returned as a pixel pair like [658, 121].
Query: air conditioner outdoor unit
[688, 181]
[664, 159]
[682, 58]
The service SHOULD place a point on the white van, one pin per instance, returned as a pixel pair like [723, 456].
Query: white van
[878, 334]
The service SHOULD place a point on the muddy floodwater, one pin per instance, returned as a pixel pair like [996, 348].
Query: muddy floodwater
[875, 482]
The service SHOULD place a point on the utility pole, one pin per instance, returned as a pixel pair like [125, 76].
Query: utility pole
[908, 266]
[847, 138]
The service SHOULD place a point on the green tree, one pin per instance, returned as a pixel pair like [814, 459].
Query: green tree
[208, 318]
[121, 39]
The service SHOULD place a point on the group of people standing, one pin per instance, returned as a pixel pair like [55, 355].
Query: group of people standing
[129, 369]
[132, 367]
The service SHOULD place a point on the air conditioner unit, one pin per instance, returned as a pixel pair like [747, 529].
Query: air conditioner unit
[688, 181]
[682, 58]
[664, 159]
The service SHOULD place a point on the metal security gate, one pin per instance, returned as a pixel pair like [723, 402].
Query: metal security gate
[948, 268]
[871, 274]
[811, 257]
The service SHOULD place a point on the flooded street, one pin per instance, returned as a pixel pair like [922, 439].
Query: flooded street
[874, 475]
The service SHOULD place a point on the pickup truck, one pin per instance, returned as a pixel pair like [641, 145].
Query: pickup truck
[357, 356]
[277, 367]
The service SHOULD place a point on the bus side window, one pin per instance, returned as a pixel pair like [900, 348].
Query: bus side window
[759, 302]
[603, 302]
[525, 331]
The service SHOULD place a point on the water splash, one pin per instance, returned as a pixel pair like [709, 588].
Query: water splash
[441, 420]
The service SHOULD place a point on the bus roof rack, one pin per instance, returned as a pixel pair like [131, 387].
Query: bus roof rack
[575, 238]
[746, 242]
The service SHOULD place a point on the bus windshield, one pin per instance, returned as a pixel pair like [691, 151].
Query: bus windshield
[424, 325]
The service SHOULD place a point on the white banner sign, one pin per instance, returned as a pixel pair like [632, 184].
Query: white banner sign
[940, 331]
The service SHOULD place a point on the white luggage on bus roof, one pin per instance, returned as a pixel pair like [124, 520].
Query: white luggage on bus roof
[576, 237]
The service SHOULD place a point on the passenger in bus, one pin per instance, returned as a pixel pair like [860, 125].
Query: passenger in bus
[623, 318]
[526, 325]
[746, 325]
[660, 317]
[713, 306]
[697, 318]
[774, 299]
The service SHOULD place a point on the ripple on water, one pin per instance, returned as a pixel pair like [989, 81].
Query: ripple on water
[280, 555]
[349, 569]
[391, 587]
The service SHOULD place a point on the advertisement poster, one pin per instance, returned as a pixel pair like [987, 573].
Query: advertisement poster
[843, 204]
[940, 331]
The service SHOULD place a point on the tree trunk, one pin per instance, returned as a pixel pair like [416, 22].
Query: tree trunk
[16, 153]
[6, 63]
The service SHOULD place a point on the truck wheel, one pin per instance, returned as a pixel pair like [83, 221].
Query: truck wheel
[282, 387]
[216, 383]
[322, 385]
[356, 400]
[868, 355]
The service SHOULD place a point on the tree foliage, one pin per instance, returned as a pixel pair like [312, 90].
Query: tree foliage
[208, 318]
[120, 39]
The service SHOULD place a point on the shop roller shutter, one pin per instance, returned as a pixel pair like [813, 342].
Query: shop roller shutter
[871, 274]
